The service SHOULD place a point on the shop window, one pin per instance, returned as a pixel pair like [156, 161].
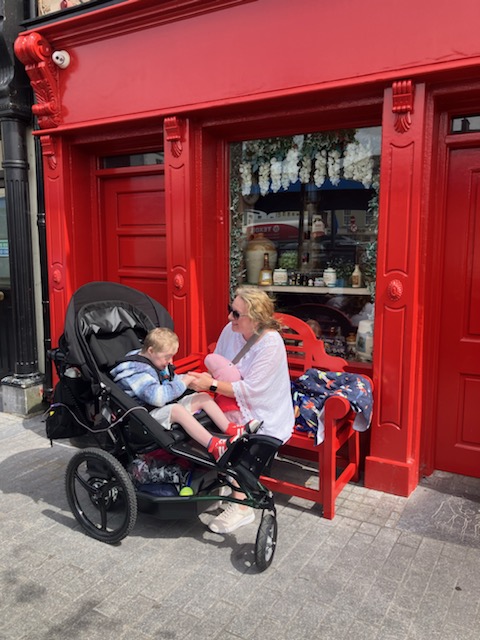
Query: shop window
[45, 7]
[304, 213]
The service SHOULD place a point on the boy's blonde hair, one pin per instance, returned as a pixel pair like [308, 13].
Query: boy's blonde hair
[162, 340]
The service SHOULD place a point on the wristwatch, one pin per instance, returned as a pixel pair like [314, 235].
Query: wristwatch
[214, 385]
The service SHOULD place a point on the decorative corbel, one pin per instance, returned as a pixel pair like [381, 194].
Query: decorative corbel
[49, 151]
[402, 104]
[173, 130]
[36, 54]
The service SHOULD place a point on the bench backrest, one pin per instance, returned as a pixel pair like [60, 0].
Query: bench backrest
[304, 349]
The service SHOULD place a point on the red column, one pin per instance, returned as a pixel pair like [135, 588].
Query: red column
[181, 276]
[59, 234]
[392, 465]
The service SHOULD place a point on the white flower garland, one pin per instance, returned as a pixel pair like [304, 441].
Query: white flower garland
[264, 177]
[276, 174]
[320, 174]
[295, 158]
[245, 170]
[305, 170]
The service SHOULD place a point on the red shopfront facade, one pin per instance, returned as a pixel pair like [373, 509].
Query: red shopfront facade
[176, 83]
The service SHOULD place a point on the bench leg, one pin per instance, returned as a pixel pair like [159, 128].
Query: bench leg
[328, 472]
[354, 454]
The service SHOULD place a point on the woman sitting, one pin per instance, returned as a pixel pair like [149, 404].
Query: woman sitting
[263, 392]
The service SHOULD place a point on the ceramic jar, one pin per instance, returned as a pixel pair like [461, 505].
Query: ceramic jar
[364, 346]
[254, 253]
[330, 277]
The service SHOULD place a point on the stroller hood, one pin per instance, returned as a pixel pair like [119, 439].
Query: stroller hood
[107, 308]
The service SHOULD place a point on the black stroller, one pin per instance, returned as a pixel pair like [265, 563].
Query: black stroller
[104, 321]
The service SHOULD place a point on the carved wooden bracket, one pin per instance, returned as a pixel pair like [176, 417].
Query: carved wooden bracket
[49, 150]
[402, 104]
[174, 129]
[36, 54]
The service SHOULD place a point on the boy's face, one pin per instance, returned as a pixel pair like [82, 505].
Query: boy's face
[159, 358]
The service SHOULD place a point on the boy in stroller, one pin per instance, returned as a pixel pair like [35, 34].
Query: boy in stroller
[145, 375]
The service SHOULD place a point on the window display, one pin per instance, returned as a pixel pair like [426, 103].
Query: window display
[304, 212]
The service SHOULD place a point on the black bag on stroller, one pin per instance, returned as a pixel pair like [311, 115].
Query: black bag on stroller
[104, 321]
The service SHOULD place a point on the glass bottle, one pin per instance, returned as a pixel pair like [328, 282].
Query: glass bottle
[265, 277]
[351, 346]
[356, 277]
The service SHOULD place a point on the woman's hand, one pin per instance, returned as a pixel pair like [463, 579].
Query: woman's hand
[199, 381]
[187, 379]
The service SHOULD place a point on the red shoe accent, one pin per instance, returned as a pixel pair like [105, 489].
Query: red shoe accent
[234, 429]
[218, 446]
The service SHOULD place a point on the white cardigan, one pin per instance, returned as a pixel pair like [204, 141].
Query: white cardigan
[264, 392]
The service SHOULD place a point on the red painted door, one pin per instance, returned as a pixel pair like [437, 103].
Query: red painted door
[134, 230]
[458, 409]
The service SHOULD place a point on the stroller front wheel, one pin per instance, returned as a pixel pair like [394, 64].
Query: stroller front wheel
[266, 541]
[101, 495]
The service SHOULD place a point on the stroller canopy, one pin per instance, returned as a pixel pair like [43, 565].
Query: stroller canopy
[108, 308]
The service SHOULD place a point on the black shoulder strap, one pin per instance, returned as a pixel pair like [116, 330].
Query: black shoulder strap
[136, 357]
[246, 347]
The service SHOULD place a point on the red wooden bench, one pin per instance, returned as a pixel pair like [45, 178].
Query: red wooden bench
[338, 457]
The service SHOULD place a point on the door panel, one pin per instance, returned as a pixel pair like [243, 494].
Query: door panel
[458, 412]
[134, 228]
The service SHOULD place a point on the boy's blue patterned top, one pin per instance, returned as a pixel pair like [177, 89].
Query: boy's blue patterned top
[139, 380]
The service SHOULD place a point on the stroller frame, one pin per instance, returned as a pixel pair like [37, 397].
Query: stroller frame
[104, 320]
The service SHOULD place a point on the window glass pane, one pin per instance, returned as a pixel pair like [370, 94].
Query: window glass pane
[49, 6]
[308, 206]
[133, 160]
[465, 124]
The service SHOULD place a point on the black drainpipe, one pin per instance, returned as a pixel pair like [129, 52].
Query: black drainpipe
[42, 242]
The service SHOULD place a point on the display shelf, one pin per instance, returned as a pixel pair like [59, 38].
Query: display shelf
[346, 291]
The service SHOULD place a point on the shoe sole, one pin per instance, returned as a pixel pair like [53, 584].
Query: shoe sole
[252, 430]
[248, 519]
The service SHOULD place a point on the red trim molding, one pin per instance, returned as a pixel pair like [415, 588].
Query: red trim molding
[128, 16]
[402, 104]
[49, 151]
[173, 134]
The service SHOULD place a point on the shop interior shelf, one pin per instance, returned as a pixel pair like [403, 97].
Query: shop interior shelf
[346, 291]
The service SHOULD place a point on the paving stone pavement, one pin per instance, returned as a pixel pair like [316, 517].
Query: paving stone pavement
[369, 573]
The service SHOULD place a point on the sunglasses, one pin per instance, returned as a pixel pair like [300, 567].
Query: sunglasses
[236, 314]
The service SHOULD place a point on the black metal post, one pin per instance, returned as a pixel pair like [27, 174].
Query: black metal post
[15, 164]
[42, 242]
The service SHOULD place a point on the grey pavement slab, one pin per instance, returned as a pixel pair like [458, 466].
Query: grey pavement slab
[386, 567]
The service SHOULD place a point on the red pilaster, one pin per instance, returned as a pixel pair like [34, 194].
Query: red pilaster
[392, 465]
[181, 274]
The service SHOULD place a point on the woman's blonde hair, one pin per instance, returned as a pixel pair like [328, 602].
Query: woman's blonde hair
[260, 307]
[161, 339]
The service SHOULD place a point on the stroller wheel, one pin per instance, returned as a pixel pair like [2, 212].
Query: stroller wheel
[266, 541]
[101, 495]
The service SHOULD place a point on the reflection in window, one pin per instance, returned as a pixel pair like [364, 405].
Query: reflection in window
[313, 197]
[308, 206]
